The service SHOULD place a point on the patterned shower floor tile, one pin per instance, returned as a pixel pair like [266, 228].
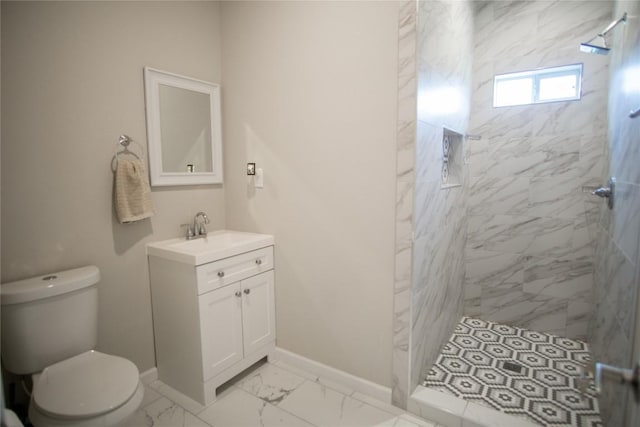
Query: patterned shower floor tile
[518, 372]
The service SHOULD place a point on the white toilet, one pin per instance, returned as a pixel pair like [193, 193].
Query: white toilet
[49, 330]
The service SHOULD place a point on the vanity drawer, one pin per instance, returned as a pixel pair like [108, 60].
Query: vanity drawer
[226, 271]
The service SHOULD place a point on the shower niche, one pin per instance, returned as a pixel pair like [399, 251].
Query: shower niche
[452, 158]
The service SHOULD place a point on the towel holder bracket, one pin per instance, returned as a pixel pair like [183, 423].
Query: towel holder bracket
[125, 141]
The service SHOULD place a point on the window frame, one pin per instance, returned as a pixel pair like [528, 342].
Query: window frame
[536, 76]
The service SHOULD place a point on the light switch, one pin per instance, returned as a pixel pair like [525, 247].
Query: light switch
[258, 179]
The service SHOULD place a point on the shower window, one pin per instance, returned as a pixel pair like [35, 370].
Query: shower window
[538, 86]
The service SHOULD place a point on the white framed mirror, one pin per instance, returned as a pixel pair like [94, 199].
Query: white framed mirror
[183, 129]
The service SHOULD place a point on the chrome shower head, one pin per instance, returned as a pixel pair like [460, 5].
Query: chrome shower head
[592, 48]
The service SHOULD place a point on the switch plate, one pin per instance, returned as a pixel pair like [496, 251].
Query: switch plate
[258, 179]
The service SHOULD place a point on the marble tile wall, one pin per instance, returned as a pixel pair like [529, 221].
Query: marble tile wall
[531, 227]
[444, 59]
[405, 165]
[430, 221]
[617, 257]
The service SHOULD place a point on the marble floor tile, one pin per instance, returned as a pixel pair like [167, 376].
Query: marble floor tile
[175, 396]
[164, 412]
[270, 383]
[314, 378]
[271, 394]
[323, 406]
[150, 395]
[387, 407]
[238, 408]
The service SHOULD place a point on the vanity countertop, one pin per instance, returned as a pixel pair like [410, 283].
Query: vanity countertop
[217, 245]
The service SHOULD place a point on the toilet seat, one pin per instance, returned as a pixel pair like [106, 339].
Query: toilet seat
[118, 417]
[86, 385]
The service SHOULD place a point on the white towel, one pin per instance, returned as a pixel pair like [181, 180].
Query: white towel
[131, 191]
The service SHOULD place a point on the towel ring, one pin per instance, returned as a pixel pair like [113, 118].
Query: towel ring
[125, 141]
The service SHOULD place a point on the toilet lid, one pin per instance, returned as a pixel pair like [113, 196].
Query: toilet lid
[86, 385]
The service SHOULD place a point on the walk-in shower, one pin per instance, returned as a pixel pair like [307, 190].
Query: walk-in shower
[540, 270]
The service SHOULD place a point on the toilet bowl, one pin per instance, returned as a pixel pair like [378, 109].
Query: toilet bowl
[49, 329]
[91, 389]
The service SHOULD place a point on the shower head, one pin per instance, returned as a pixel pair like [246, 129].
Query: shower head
[588, 47]
[601, 49]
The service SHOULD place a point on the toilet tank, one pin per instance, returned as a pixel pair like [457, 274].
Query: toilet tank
[48, 318]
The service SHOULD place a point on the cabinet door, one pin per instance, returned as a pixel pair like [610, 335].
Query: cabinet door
[220, 329]
[258, 311]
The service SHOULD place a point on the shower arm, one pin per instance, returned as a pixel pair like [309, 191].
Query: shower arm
[613, 25]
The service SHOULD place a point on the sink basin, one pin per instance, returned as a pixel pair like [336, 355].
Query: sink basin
[217, 245]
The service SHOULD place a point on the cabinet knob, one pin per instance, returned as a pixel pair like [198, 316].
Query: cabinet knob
[238, 294]
[247, 291]
[258, 261]
[221, 274]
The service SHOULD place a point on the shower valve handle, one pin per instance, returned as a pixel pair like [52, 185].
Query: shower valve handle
[620, 375]
[602, 371]
[607, 192]
[602, 192]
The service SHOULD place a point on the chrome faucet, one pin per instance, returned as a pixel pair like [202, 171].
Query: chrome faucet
[197, 230]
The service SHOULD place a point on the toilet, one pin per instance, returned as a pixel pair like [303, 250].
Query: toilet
[49, 331]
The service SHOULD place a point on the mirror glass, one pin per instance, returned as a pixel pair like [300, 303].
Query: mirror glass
[183, 126]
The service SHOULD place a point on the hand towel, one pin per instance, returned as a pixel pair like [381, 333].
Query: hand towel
[131, 191]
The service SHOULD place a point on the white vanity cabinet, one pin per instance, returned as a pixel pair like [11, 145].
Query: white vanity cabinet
[211, 321]
[236, 320]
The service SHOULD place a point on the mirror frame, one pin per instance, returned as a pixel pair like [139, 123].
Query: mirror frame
[152, 80]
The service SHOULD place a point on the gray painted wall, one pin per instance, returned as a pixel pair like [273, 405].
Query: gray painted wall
[72, 78]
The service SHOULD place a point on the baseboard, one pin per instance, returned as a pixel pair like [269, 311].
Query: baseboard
[149, 376]
[366, 387]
